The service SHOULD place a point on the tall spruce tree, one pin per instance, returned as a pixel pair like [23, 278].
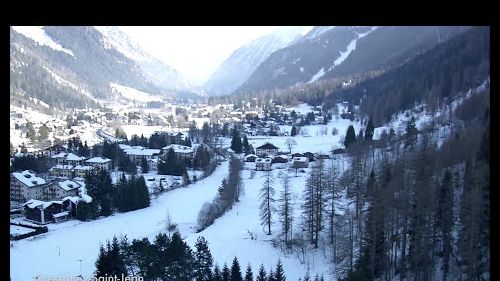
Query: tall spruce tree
[236, 144]
[236, 271]
[249, 273]
[279, 274]
[261, 276]
[217, 274]
[370, 129]
[350, 137]
[225, 274]
[204, 260]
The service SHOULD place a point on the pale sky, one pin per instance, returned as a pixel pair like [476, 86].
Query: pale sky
[195, 51]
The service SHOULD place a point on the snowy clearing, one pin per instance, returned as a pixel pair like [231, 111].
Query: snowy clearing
[37, 34]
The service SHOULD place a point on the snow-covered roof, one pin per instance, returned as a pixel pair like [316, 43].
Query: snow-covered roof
[73, 199]
[73, 157]
[63, 167]
[59, 155]
[263, 160]
[86, 168]
[68, 185]
[142, 151]
[281, 156]
[28, 178]
[86, 198]
[300, 159]
[250, 155]
[98, 160]
[33, 203]
[179, 148]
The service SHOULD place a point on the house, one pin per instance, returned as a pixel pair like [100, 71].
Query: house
[181, 151]
[267, 149]
[62, 171]
[137, 153]
[263, 164]
[300, 162]
[297, 155]
[66, 188]
[73, 159]
[26, 185]
[322, 156]
[153, 164]
[42, 212]
[80, 171]
[250, 158]
[99, 162]
[55, 149]
[309, 155]
[59, 158]
[280, 159]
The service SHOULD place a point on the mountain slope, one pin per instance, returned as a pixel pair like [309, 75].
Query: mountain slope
[433, 77]
[156, 71]
[240, 65]
[56, 65]
[327, 52]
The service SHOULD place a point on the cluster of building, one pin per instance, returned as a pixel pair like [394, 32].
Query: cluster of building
[268, 154]
[46, 200]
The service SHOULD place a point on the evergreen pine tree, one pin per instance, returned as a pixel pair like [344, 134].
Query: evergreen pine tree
[217, 275]
[261, 276]
[103, 263]
[369, 130]
[246, 145]
[249, 273]
[116, 258]
[236, 271]
[294, 131]
[225, 274]
[270, 276]
[204, 260]
[279, 274]
[143, 198]
[236, 145]
[350, 136]
[144, 165]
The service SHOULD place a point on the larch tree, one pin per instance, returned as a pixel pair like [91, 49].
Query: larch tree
[266, 196]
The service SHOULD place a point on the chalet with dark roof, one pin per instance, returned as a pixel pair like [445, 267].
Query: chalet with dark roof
[266, 149]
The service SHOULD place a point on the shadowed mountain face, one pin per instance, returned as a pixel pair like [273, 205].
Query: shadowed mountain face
[242, 63]
[328, 52]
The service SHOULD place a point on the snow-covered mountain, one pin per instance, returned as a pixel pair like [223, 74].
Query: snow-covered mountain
[240, 65]
[72, 66]
[328, 52]
[159, 73]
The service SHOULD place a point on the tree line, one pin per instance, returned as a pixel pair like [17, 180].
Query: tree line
[170, 258]
[126, 195]
[228, 193]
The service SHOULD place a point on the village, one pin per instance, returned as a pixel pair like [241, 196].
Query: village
[52, 196]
